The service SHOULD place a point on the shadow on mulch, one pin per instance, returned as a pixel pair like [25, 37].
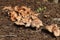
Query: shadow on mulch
[47, 32]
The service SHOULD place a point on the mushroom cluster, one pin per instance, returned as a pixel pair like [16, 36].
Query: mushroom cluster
[24, 16]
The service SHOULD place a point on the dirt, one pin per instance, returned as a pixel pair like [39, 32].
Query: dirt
[10, 31]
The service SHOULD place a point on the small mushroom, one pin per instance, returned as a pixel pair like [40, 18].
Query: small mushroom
[53, 28]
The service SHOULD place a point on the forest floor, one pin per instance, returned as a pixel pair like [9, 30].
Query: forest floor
[9, 31]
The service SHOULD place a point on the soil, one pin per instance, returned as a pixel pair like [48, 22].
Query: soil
[10, 31]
